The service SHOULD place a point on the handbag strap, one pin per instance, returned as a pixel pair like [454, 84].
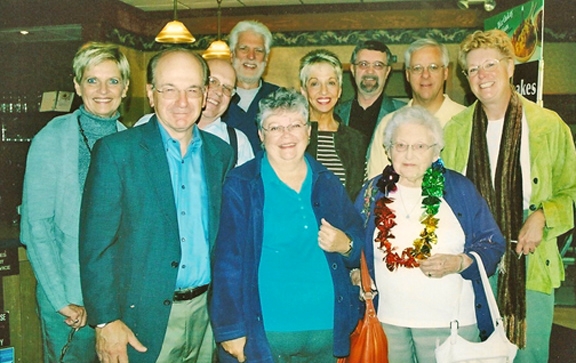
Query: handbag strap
[492, 305]
[365, 277]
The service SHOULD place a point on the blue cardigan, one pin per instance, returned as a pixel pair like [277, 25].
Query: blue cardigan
[234, 306]
[482, 235]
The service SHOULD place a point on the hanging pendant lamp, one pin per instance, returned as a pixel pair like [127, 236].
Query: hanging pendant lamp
[175, 32]
[489, 5]
[218, 48]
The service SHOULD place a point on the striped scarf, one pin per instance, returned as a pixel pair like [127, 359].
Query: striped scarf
[505, 201]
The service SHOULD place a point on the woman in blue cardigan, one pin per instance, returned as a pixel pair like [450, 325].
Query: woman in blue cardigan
[56, 170]
[288, 238]
[421, 223]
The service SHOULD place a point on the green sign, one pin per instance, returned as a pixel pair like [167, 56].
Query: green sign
[524, 24]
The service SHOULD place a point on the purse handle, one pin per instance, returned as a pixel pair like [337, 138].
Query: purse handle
[492, 305]
[365, 277]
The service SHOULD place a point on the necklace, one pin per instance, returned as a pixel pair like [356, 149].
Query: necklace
[408, 213]
[432, 191]
[84, 135]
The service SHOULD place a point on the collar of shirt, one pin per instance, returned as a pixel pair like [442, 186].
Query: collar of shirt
[172, 145]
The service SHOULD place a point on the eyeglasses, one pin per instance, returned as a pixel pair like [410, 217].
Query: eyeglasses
[226, 90]
[378, 66]
[418, 148]
[419, 69]
[489, 65]
[277, 130]
[171, 93]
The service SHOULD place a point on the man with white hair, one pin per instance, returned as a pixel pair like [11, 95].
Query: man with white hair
[250, 42]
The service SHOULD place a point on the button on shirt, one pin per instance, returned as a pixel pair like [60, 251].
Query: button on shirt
[190, 195]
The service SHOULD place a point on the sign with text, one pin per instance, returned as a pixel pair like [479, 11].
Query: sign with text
[9, 261]
[524, 24]
[4, 329]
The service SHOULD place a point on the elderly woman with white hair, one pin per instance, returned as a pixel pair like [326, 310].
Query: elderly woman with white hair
[422, 221]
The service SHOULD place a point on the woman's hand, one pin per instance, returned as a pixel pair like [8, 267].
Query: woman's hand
[531, 233]
[75, 315]
[356, 280]
[331, 239]
[442, 264]
[235, 348]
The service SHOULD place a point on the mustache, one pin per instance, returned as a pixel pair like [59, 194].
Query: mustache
[369, 78]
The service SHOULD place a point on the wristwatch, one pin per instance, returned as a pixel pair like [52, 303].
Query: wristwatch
[350, 245]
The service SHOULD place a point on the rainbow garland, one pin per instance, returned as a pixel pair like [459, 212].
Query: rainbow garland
[432, 191]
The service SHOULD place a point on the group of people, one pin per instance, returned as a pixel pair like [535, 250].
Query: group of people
[228, 225]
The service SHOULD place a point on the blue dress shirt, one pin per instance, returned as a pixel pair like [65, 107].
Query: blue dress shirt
[189, 187]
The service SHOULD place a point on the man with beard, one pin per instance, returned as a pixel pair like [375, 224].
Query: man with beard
[250, 42]
[371, 62]
[426, 62]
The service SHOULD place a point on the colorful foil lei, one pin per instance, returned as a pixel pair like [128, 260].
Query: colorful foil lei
[432, 191]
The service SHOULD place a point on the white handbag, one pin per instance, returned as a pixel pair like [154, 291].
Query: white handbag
[496, 349]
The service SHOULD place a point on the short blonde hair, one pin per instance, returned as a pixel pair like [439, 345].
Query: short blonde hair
[94, 53]
[494, 39]
[319, 56]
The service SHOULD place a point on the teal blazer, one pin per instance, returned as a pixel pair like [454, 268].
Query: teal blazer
[129, 241]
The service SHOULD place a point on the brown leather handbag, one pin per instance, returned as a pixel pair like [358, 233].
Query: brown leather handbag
[368, 343]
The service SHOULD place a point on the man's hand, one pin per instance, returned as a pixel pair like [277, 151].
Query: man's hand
[235, 348]
[75, 316]
[531, 233]
[111, 342]
[331, 239]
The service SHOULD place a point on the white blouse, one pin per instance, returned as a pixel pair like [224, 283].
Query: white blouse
[409, 298]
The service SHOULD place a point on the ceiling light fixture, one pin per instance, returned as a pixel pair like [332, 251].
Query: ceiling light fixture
[218, 48]
[489, 5]
[175, 32]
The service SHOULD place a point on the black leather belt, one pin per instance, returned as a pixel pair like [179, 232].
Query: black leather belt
[190, 294]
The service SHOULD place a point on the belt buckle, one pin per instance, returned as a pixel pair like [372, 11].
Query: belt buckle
[189, 294]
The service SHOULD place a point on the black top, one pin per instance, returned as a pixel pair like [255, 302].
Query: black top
[364, 120]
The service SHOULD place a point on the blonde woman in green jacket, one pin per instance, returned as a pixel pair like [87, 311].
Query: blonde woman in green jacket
[522, 159]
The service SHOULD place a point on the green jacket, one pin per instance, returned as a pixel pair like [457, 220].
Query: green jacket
[552, 165]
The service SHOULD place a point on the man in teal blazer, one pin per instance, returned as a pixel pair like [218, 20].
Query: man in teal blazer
[149, 217]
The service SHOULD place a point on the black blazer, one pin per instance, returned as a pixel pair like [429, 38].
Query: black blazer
[351, 146]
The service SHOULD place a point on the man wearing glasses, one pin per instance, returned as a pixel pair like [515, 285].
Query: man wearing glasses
[426, 63]
[220, 91]
[370, 65]
[149, 217]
